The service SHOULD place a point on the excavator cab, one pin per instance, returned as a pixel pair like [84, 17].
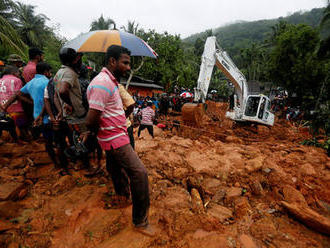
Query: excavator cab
[257, 109]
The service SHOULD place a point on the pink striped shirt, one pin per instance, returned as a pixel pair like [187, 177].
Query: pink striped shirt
[103, 95]
[9, 85]
[147, 116]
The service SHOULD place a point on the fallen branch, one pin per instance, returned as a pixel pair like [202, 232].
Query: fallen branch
[309, 217]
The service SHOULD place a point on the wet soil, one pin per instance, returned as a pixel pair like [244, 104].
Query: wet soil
[220, 185]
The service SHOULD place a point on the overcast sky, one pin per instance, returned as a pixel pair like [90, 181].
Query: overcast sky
[184, 17]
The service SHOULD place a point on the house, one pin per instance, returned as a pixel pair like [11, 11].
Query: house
[142, 87]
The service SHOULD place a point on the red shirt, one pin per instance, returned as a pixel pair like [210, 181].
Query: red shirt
[29, 71]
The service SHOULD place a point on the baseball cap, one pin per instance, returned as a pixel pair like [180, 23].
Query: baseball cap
[14, 58]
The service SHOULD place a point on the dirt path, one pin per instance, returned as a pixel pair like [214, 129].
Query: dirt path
[226, 189]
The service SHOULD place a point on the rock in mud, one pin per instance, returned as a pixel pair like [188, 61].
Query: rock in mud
[254, 164]
[10, 209]
[232, 194]
[10, 190]
[242, 207]
[197, 203]
[63, 184]
[219, 212]
[263, 229]
[246, 241]
[4, 226]
[292, 195]
[256, 188]
[307, 169]
[233, 139]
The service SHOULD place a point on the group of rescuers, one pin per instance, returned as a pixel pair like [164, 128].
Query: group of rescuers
[59, 109]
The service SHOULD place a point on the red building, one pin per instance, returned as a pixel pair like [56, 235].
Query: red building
[143, 87]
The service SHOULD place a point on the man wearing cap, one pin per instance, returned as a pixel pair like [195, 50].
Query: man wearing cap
[35, 56]
[15, 60]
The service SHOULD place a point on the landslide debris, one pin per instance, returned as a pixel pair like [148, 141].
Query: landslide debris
[218, 187]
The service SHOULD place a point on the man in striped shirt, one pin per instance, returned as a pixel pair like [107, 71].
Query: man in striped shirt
[148, 115]
[107, 117]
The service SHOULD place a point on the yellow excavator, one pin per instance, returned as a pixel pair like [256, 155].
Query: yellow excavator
[249, 104]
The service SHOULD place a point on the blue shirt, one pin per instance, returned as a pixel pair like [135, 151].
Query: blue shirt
[156, 104]
[35, 88]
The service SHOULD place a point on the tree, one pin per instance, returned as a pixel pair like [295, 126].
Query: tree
[6, 10]
[324, 50]
[174, 66]
[131, 27]
[294, 65]
[32, 27]
[103, 24]
[9, 38]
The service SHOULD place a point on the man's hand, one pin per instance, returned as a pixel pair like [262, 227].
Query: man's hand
[2, 109]
[59, 116]
[38, 121]
[68, 109]
[84, 136]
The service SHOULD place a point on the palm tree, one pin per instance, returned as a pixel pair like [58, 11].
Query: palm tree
[102, 24]
[31, 27]
[6, 10]
[9, 38]
[132, 27]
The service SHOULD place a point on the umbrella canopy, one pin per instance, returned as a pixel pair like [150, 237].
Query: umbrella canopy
[100, 40]
[186, 94]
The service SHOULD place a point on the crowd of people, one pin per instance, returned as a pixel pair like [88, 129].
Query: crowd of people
[77, 117]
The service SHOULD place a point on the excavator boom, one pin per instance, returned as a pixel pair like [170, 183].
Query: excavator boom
[250, 108]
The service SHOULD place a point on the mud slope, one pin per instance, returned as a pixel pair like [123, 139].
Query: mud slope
[220, 187]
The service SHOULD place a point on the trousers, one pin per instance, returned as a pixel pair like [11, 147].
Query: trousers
[128, 173]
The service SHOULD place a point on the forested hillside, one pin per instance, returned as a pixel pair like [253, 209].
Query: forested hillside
[243, 34]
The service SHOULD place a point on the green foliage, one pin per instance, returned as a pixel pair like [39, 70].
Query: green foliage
[174, 66]
[51, 49]
[32, 27]
[10, 40]
[314, 142]
[293, 63]
[102, 24]
[241, 35]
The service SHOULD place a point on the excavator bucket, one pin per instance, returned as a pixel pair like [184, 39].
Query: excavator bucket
[192, 114]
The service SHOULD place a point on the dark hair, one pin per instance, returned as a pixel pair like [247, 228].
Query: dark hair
[115, 51]
[34, 52]
[67, 55]
[9, 70]
[149, 103]
[43, 67]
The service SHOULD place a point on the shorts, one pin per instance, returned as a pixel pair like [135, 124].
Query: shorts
[19, 118]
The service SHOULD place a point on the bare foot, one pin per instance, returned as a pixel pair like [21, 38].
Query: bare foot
[149, 230]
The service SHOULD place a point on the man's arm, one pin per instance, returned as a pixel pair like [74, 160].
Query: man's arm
[92, 119]
[92, 123]
[19, 95]
[49, 109]
[129, 110]
[64, 92]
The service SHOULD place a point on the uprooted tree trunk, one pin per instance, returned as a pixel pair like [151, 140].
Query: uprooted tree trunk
[309, 217]
[132, 73]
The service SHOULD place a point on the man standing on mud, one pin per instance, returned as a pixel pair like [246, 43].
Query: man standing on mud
[106, 116]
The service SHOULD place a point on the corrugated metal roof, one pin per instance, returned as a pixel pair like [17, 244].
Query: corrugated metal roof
[146, 85]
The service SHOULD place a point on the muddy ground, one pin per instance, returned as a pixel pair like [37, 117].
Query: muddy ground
[223, 186]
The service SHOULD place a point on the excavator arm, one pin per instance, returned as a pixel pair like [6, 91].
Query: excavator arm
[250, 108]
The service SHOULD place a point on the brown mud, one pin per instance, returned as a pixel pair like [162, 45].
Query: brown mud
[215, 186]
